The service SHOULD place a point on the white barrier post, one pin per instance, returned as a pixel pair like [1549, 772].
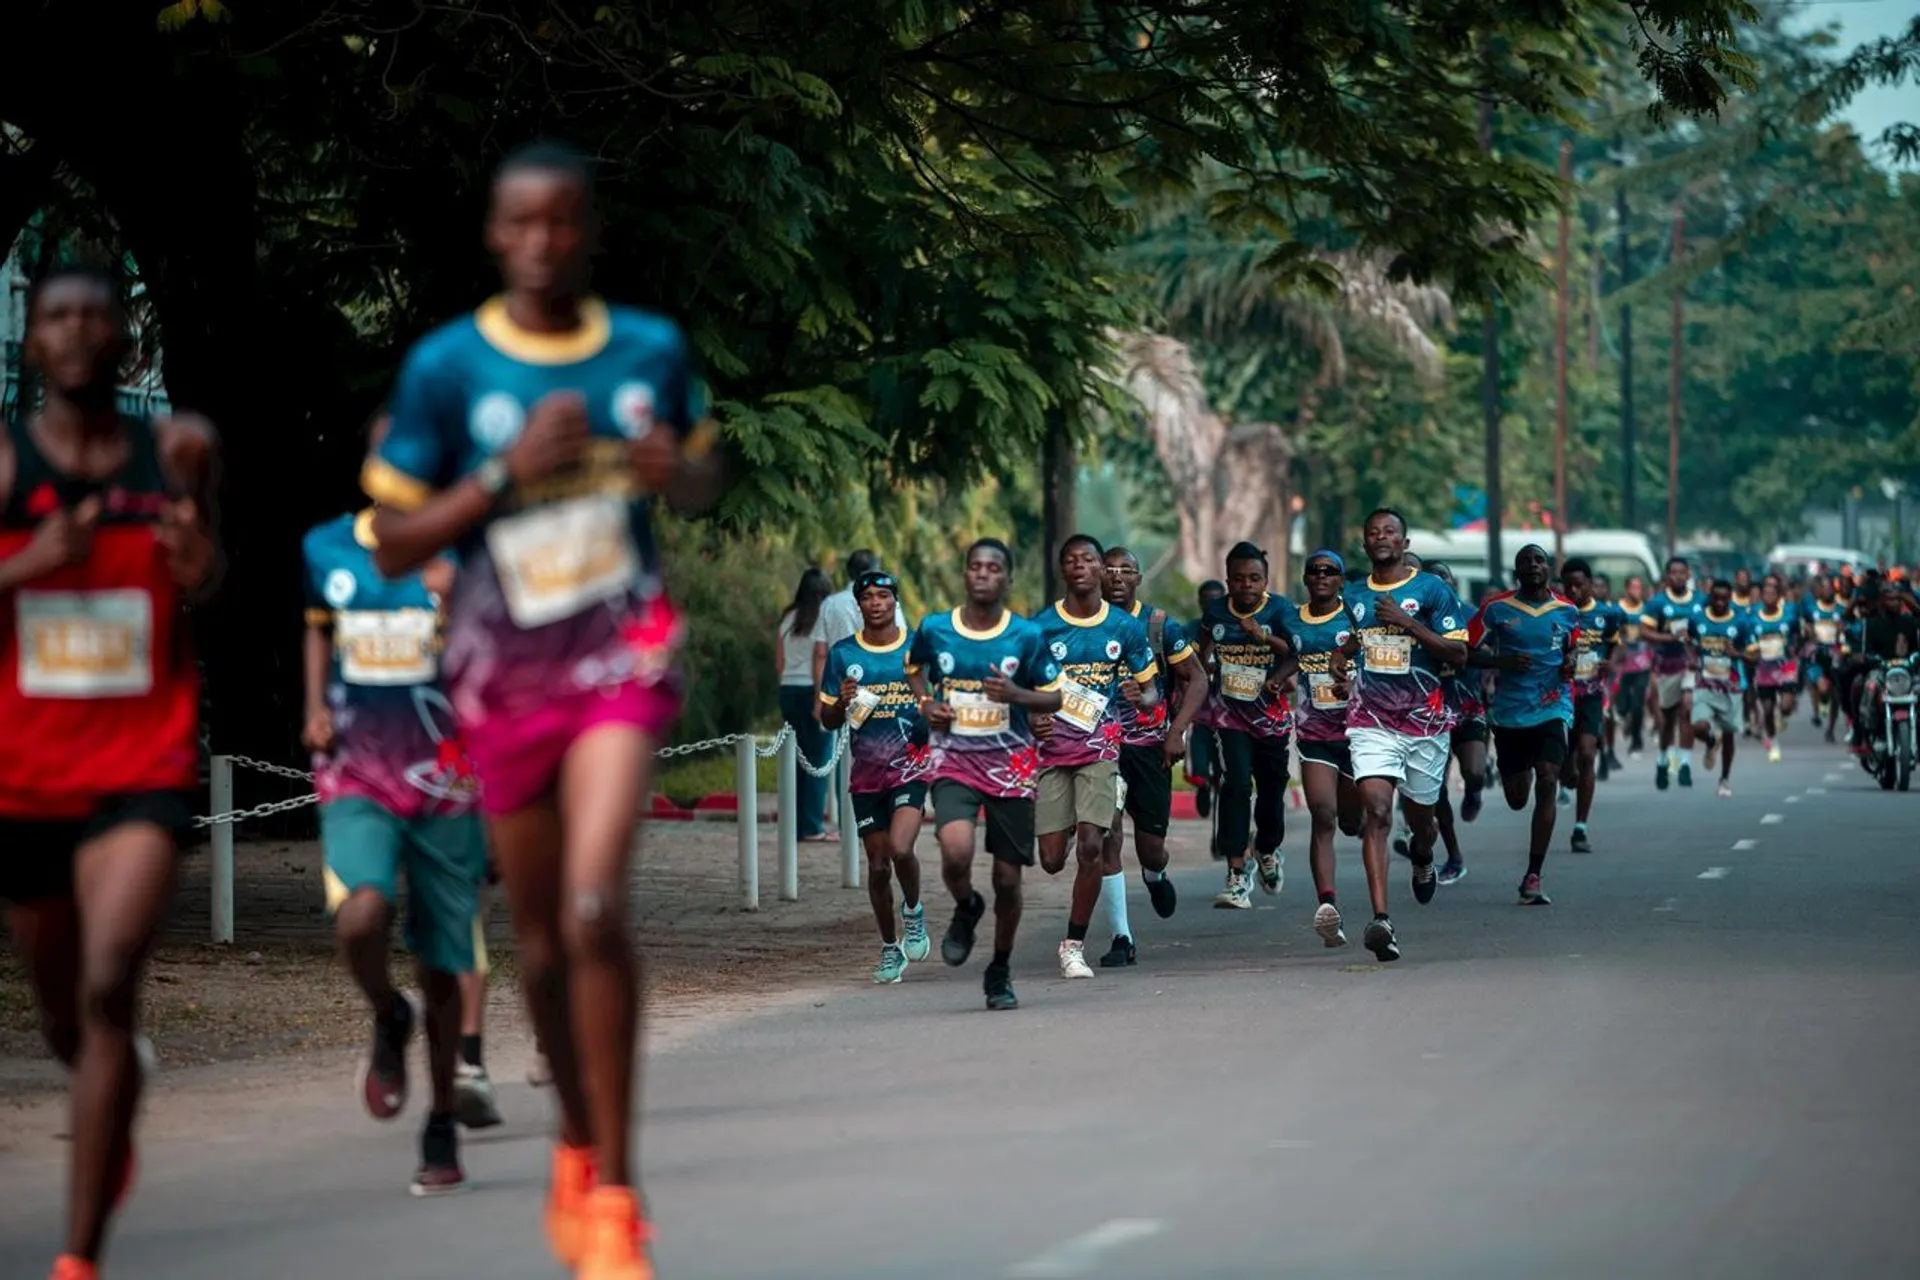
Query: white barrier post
[746, 787]
[221, 799]
[849, 834]
[790, 818]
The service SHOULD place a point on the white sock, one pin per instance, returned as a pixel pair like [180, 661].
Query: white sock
[1113, 896]
[1686, 757]
[1152, 877]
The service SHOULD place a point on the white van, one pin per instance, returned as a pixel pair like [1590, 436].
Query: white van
[1803, 559]
[1615, 554]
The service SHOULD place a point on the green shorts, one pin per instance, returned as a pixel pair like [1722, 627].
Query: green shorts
[445, 860]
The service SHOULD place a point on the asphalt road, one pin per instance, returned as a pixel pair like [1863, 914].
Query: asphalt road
[1698, 1062]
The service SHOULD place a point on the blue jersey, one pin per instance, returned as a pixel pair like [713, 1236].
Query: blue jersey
[1397, 684]
[989, 746]
[1774, 637]
[1546, 633]
[1600, 627]
[889, 744]
[1237, 699]
[1722, 642]
[394, 736]
[1824, 623]
[557, 585]
[1148, 728]
[1094, 655]
[1317, 637]
[1675, 615]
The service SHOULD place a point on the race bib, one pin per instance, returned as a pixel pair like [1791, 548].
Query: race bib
[975, 715]
[1716, 666]
[1586, 664]
[391, 647]
[1081, 707]
[85, 644]
[1242, 683]
[1678, 627]
[560, 560]
[1773, 647]
[861, 705]
[1826, 631]
[1390, 654]
[1325, 693]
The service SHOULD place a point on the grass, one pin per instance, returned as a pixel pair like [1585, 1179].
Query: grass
[687, 780]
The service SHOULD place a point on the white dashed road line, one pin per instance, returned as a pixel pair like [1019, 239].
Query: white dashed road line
[1713, 873]
[1740, 846]
[1081, 1255]
[1772, 820]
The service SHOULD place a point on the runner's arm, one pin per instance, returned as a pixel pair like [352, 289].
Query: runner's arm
[1190, 684]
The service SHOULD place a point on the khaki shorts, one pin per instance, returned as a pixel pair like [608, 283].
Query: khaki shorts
[1672, 690]
[1718, 709]
[1065, 797]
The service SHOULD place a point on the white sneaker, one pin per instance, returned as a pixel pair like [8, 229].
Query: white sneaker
[1073, 960]
[474, 1103]
[1237, 896]
[1273, 871]
[1326, 923]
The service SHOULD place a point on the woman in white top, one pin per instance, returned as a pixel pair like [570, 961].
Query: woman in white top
[793, 652]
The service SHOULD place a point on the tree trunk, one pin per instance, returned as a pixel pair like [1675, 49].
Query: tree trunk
[1059, 474]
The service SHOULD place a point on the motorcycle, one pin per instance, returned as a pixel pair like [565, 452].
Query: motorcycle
[1891, 745]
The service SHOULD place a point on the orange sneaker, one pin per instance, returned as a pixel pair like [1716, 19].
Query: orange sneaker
[617, 1236]
[68, 1267]
[573, 1178]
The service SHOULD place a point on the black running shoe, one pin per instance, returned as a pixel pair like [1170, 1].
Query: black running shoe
[383, 1074]
[1425, 881]
[958, 944]
[1203, 801]
[1580, 842]
[1161, 893]
[999, 988]
[440, 1173]
[1379, 939]
[1121, 954]
[1604, 769]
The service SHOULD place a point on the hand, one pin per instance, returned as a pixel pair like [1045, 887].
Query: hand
[64, 538]
[995, 687]
[1251, 628]
[556, 431]
[1130, 690]
[189, 546]
[1041, 722]
[938, 714]
[1276, 689]
[318, 733]
[656, 459]
[848, 688]
[1174, 748]
[437, 577]
[1388, 610]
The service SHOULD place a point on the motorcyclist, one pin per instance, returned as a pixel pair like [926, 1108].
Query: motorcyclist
[1887, 631]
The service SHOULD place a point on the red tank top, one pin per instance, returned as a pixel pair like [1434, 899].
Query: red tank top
[99, 690]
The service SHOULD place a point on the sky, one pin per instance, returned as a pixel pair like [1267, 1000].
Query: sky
[1861, 20]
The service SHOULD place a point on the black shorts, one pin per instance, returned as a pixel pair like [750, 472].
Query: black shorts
[36, 854]
[1590, 715]
[1009, 819]
[1149, 782]
[1521, 749]
[873, 810]
[1474, 730]
[1335, 755]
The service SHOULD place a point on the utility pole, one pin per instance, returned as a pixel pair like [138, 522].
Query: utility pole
[1490, 395]
[1676, 356]
[1629, 513]
[1561, 302]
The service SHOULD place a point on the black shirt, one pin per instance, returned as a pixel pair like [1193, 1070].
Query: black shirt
[1883, 632]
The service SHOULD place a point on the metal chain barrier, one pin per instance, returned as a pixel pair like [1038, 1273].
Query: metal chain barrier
[766, 751]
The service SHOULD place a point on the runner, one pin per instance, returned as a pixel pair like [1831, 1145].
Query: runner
[1530, 636]
[865, 684]
[1721, 638]
[533, 436]
[1666, 623]
[1104, 660]
[1822, 616]
[992, 669]
[475, 1105]
[396, 795]
[1466, 695]
[1745, 601]
[103, 536]
[1609, 758]
[1408, 628]
[1322, 631]
[1633, 667]
[1150, 745]
[1776, 667]
[1200, 755]
[1245, 633]
[1599, 632]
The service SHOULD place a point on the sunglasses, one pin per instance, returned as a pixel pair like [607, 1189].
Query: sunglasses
[1322, 571]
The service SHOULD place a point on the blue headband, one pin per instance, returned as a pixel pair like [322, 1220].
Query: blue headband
[1324, 554]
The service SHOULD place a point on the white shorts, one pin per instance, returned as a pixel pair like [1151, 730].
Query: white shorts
[1418, 765]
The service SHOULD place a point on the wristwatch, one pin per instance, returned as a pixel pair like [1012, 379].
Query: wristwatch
[493, 476]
